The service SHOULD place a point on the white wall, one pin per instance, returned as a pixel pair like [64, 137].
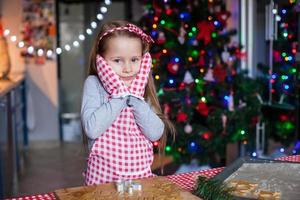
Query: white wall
[75, 62]
[41, 80]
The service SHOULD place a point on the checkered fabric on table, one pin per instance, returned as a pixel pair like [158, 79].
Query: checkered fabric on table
[48, 196]
[295, 158]
[187, 180]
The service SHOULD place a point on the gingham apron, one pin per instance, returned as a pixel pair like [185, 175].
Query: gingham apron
[122, 152]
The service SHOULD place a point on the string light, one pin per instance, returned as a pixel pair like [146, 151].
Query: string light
[103, 9]
[286, 87]
[89, 31]
[81, 37]
[49, 53]
[214, 35]
[30, 49]
[93, 24]
[21, 44]
[283, 11]
[58, 50]
[67, 47]
[168, 148]
[99, 16]
[75, 43]
[278, 18]
[294, 152]
[40, 52]
[13, 38]
[107, 2]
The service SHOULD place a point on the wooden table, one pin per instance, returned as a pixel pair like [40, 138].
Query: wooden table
[185, 181]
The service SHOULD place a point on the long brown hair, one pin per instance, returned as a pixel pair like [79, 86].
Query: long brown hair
[150, 96]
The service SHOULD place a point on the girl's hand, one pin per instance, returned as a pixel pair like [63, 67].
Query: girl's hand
[137, 87]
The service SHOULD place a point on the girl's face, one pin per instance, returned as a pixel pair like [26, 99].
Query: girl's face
[124, 55]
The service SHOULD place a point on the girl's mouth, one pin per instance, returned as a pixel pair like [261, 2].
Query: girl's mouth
[127, 78]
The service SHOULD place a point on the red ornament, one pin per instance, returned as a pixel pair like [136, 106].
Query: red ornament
[201, 61]
[181, 117]
[254, 120]
[205, 28]
[219, 73]
[173, 67]
[161, 38]
[166, 108]
[277, 56]
[202, 108]
[181, 86]
[223, 16]
[283, 118]
[240, 54]
[168, 11]
[157, 8]
[206, 135]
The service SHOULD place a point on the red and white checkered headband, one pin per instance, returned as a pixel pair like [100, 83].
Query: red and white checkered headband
[131, 28]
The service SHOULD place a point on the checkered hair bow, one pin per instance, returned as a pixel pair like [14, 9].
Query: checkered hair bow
[131, 28]
[117, 88]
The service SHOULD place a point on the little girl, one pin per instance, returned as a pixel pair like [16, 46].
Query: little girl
[120, 112]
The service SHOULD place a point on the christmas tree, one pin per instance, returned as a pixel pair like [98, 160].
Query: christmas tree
[280, 84]
[199, 82]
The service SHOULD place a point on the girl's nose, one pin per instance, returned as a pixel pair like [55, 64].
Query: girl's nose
[127, 68]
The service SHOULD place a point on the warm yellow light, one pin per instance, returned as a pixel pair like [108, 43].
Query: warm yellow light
[156, 77]
[154, 25]
[202, 70]
[164, 51]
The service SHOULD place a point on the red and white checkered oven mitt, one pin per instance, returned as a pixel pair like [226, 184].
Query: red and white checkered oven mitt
[137, 87]
[110, 80]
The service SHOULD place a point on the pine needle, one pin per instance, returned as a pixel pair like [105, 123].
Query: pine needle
[209, 189]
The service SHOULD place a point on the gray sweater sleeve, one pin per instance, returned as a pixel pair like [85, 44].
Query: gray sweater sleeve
[150, 124]
[97, 112]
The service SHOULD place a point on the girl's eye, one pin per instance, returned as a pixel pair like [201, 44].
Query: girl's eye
[117, 60]
[135, 60]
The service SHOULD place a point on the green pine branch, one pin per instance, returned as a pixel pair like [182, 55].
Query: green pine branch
[209, 189]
